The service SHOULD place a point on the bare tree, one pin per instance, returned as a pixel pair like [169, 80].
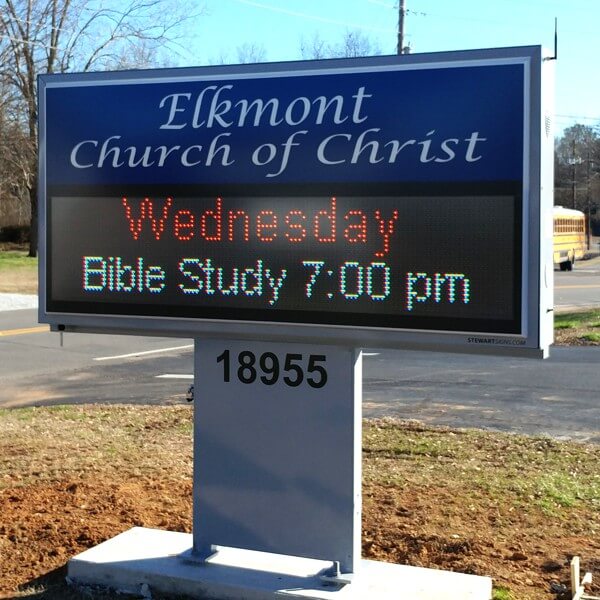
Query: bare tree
[14, 166]
[314, 48]
[577, 166]
[577, 172]
[353, 44]
[14, 158]
[142, 55]
[248, 52]
[251, 53]
[49, 36]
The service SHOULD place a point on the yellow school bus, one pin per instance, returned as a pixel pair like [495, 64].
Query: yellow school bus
[569, 237]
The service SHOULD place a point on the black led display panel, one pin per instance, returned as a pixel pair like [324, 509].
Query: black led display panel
[432, 258]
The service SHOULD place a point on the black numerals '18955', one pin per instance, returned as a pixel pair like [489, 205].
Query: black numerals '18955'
[268, 368]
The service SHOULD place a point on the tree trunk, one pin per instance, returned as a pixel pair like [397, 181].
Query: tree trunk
[33, 222]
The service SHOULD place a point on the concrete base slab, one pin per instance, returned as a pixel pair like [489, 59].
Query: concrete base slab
[142, 559]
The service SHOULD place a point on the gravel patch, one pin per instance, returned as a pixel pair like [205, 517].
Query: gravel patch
[18, 301]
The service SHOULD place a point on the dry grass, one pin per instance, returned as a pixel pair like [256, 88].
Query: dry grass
[45, 445]
[512, 507]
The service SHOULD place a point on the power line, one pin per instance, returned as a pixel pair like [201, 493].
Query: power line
[520, 23]
[380, 3]
[31, 42]
[407, 11]
[582, 117]
[311, 17]
[35, 23]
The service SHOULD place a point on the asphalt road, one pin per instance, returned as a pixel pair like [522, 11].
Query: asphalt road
[35, 369]
[578, 288]
[557, 397]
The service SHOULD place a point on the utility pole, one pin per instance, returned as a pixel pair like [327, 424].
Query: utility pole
[588, 221]
[401, 13]
[573, 162]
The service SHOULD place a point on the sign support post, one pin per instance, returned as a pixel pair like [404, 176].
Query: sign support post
[277, 450]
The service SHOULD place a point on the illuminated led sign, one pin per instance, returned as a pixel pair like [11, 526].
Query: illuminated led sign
[382, 199]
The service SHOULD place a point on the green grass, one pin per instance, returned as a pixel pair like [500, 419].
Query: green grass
[18, 272]
[588, 318]
[502, 593]
[580, 327]
[592, 337]
[16, 259]
[396, 442]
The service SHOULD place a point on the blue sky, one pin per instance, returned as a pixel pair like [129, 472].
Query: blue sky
[430, 26]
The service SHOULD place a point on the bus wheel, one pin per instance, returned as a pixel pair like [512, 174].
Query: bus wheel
[564, 266]
[570, 262]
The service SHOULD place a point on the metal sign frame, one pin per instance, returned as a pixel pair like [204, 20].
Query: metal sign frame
[534, 333]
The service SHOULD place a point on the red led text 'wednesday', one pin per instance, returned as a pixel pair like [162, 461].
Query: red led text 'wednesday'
[218, 224]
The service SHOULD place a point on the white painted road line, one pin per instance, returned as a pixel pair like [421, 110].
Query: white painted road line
[146, 353]
[174, 376]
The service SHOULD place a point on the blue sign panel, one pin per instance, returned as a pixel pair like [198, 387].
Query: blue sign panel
[430, 125]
